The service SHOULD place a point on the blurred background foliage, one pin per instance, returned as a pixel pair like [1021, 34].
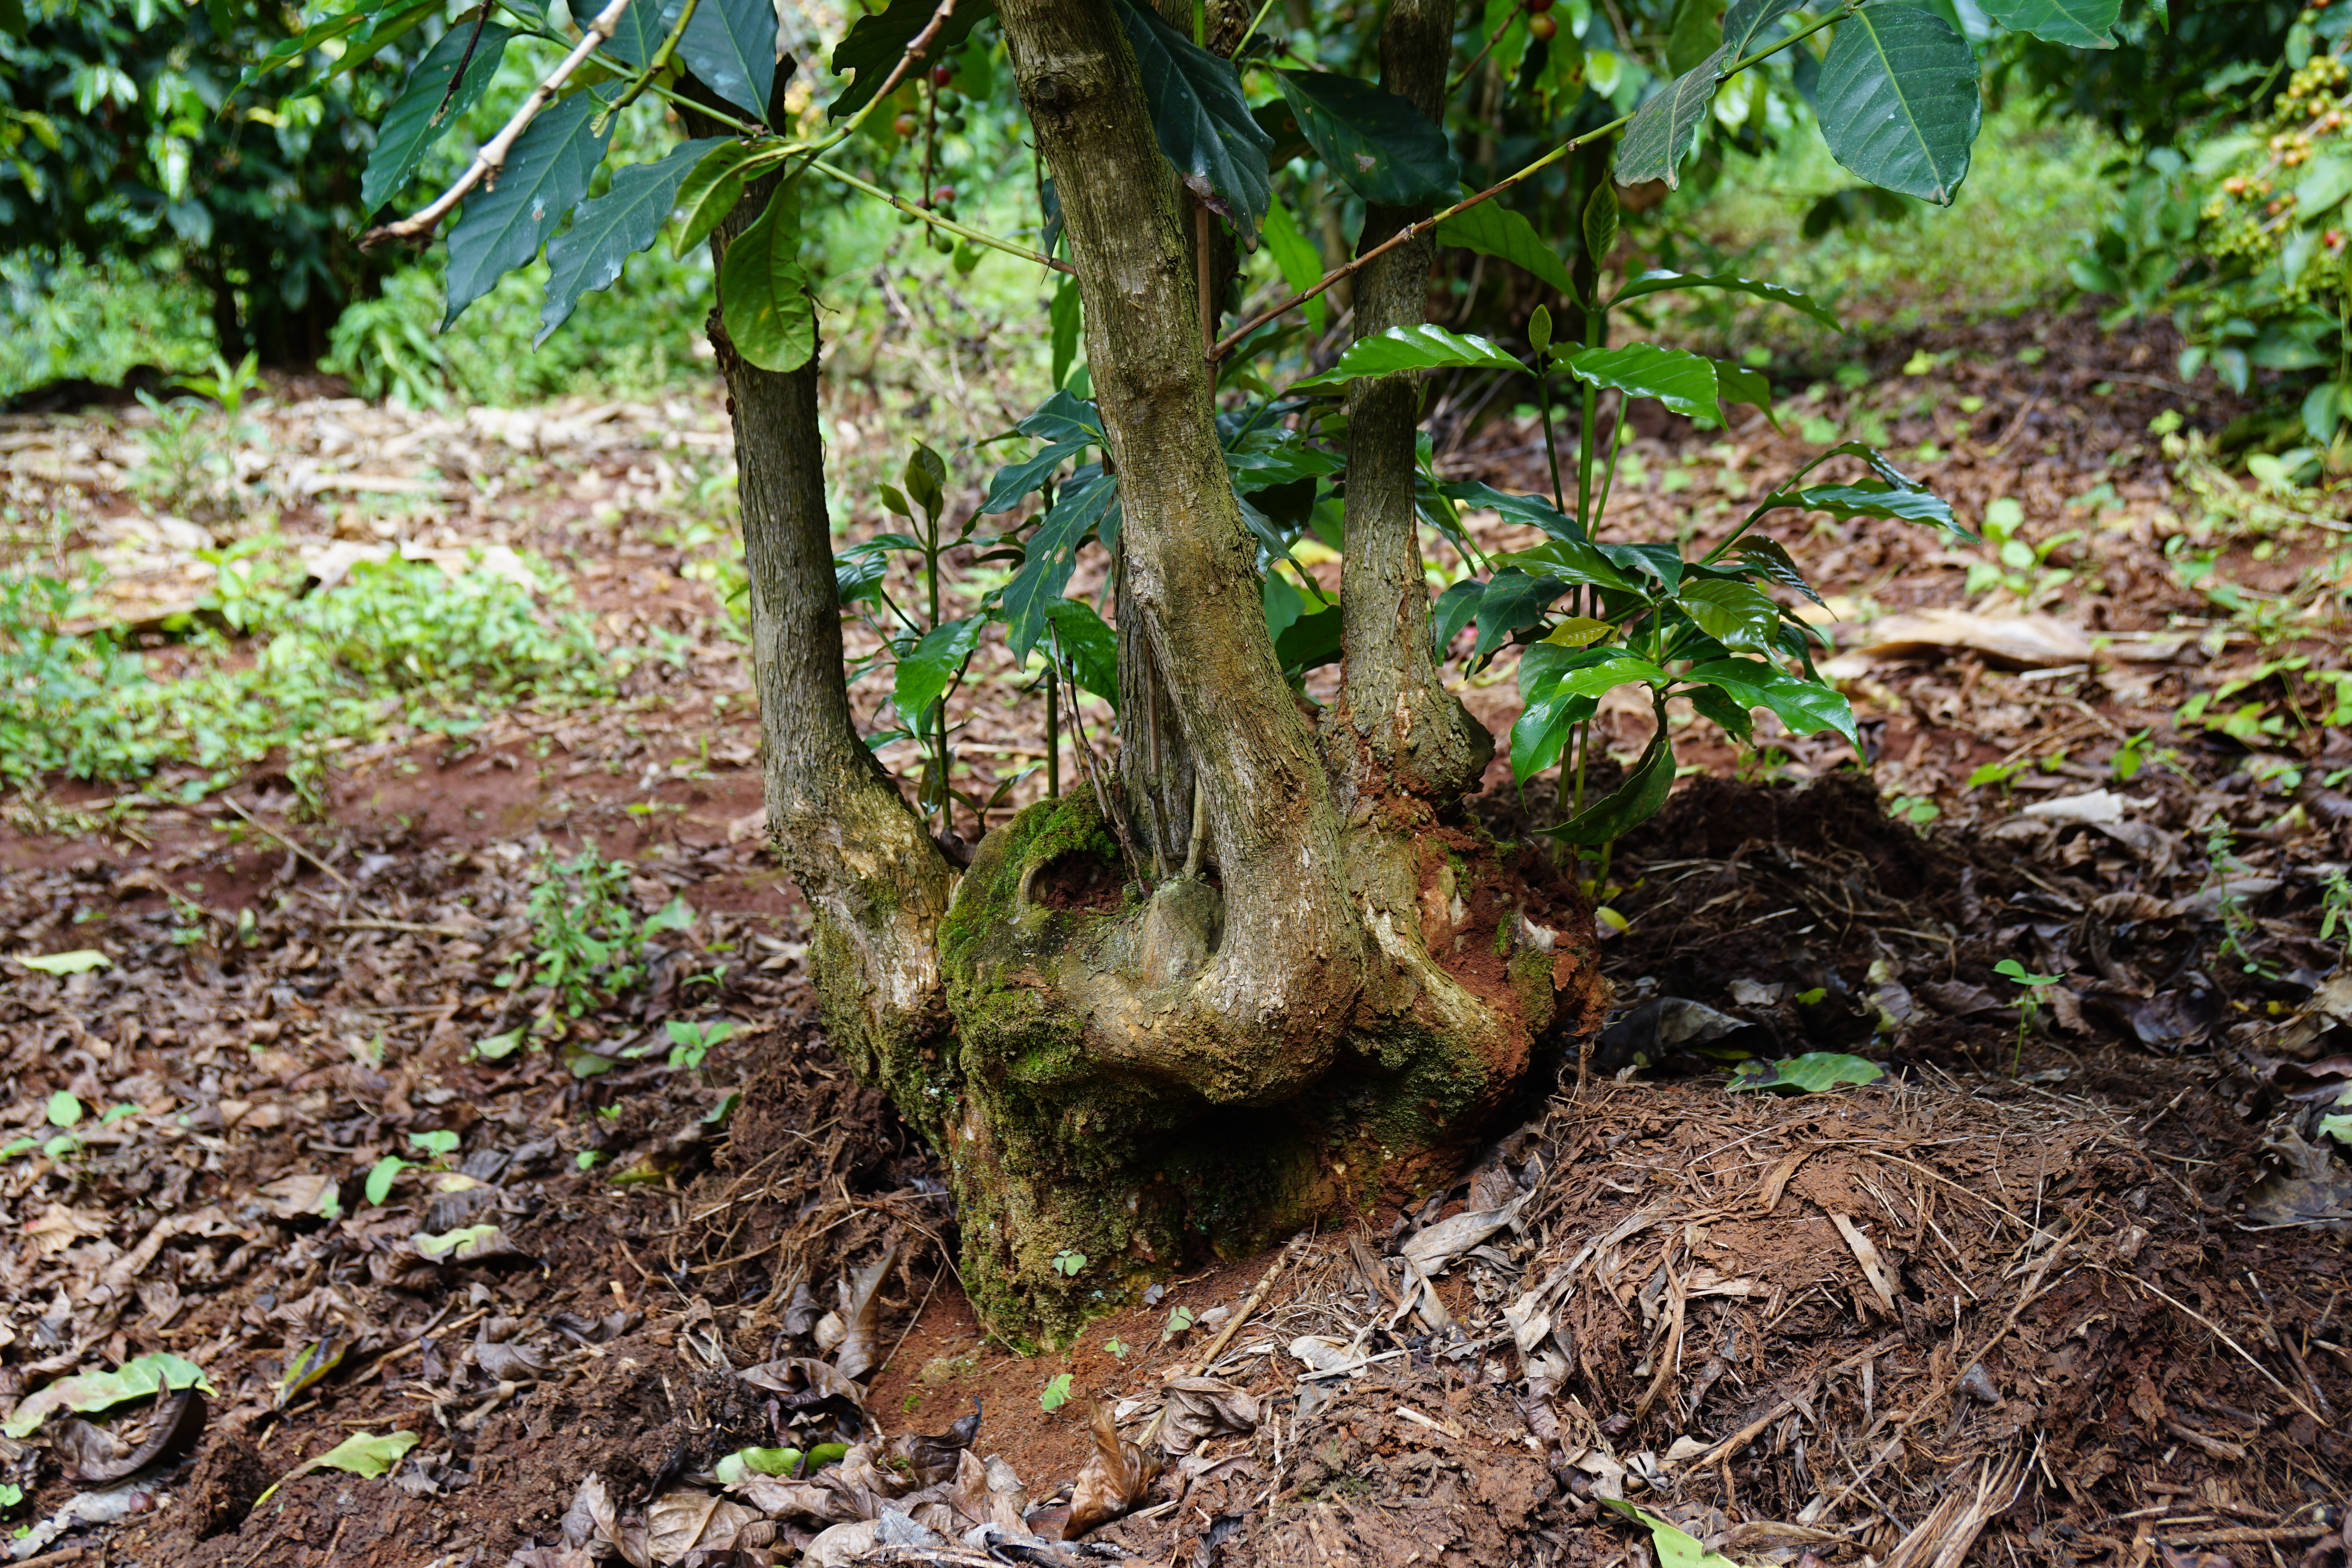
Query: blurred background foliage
[154, 208]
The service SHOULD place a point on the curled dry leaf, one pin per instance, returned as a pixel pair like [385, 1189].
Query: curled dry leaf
[1008, 1499]
[801, 1380]
[179, 1422]
[1115, 1478]
[680, 1523]
[590, 1516]
[861, 1316]
[1436, 1246]
[512, 1364]
[1202, 1407]
[931, 1460]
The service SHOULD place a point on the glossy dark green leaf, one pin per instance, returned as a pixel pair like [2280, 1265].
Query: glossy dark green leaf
[1310, 641]
[1682, 381]
[1492, 229]
[1064, 416]
[1600, 224]
[1089, 645]
[1898, 100]
[1053, 553]
[1713, 703]
[1513, 601]
[763, 294]
[730, 46]
[1572, 559]
[1662, 561]
[1514, 508]
[930, 668]
[1401, 349]
[1736, 615]
[1665, 128]
[1015, 480]
[1869, 500]
[1277, 456]
[609, 230]
[708, 193]
[411, 125]
[1296, 258]
[1657, 283]
[1744, 23]
[1635, 802]
[874, 46]
[1202, 121]
[1543, 728]
[2077, 24]
[1736, 384]
[1804, 706]
[1456, 609]
[1770, 560]
[1380, 146]
[640, 29]
[545, 176]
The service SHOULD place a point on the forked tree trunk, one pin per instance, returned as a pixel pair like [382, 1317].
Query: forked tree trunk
[1123, 1062]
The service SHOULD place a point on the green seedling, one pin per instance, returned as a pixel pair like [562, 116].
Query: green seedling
[1056, 1395]
[2034, 986]
[1179, 1320]
[690, 1042]
[1117, 1347]
[1067, 1263]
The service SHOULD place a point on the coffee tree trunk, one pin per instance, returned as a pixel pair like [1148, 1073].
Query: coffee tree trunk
[1315, 979]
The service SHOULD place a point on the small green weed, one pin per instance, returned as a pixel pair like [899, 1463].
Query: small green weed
[588, 940]
[1056, 1395]
[2035, 987]
[1067, 1263]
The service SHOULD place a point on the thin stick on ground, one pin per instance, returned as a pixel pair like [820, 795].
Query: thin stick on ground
[262, 828]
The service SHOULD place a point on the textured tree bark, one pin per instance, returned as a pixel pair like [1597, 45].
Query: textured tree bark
[1280, 986]
[1399, 729]
[1122, 1058]
[874, 881]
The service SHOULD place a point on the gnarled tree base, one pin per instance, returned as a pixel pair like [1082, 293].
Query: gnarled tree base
[1080, 1120]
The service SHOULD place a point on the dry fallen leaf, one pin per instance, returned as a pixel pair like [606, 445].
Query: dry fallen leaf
[680, 1523]
[861, 1307]
[1115, 1478]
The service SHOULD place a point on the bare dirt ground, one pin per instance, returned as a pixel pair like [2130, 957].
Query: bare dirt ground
[2068, 1292]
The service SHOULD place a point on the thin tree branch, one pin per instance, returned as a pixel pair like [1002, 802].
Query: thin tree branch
[948, 226]
[457, 77]
[493, 155]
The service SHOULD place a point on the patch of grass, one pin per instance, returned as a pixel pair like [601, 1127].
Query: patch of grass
[276, 669]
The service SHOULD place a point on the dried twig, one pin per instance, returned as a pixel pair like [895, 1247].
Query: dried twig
[261, 826]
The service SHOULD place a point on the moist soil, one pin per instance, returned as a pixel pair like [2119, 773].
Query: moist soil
[2058, 1283]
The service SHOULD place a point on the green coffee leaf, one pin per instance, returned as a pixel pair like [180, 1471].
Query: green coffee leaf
[1682, 381]
[1309, 642]
[1052, 553]
[1378, 143]
[545, 178]
[872, 47]
[1736, 615]
[926, 671]
[1729, 282]
[731, 46]
[80, 960]
[1490, 228]
[763, 295]
[1600, 223]
[1296, 258]
[1402, 348]
[1898, 100]
[1089, 645]
[2077, 24]
[1803, 706]
[1876, 500]
[1636, 800]
[710, 192]
[415, 119]
[1815, 1072]
[135, 1379]
[1665, 128]
[1202, 121]
[1514, 599]
[611, 228]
